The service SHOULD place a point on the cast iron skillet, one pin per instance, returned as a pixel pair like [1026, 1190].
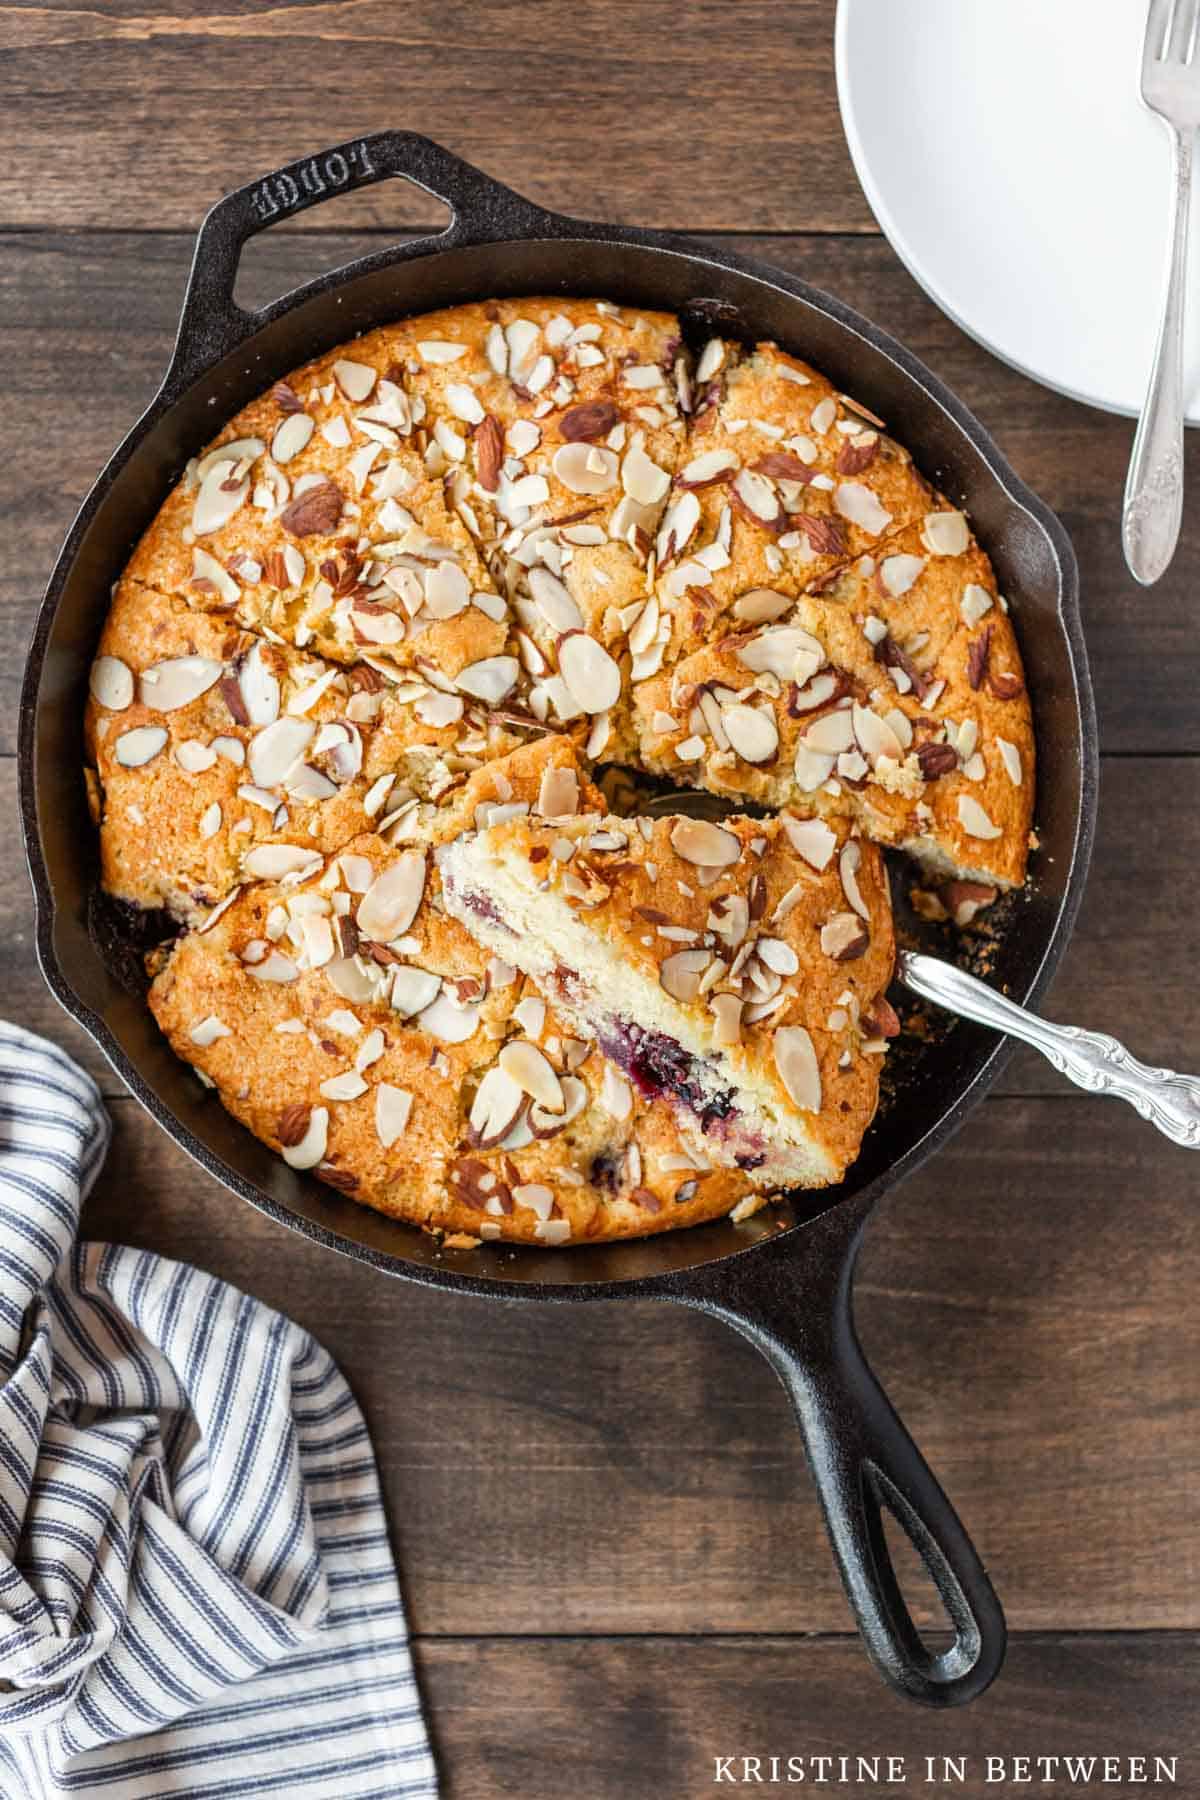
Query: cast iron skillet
[783, 1279]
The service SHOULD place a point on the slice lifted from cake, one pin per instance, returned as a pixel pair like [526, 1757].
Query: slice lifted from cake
[734, 971]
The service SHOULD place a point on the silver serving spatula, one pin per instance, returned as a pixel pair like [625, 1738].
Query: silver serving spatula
[1091, 1059]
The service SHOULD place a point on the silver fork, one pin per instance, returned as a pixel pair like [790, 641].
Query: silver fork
[1091, 1059]
[1154, 487]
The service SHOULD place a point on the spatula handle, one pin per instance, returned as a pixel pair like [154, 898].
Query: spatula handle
[1091, 1059]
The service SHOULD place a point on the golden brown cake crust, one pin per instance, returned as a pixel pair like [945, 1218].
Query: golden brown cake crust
[284, 993]
[434, 544]
[749, 933]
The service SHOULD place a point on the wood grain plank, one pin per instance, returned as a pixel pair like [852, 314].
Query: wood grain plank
[1111, 979]
[636, 109]
[610, 1719]
[86, 324]
[1028, 1299]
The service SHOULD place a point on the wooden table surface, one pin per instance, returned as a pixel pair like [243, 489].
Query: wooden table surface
[613, 1561]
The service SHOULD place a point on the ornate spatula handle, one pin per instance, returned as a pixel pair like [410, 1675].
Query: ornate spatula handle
[1091, 1059]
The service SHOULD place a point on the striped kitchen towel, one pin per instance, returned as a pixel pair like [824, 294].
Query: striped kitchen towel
[196, 1591]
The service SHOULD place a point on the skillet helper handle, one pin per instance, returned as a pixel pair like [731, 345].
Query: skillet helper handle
[864, 1462]
[212, 323]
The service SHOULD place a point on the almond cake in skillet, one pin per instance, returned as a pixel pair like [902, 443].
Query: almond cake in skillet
[344, 719]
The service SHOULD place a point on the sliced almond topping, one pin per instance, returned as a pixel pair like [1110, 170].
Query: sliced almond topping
[167, 686]
[111, 683]
[898, 573]
[945, 534]
[545, 1124]
[372, 1046]
[976, 602]
[537, 1197]
[314, 512]
[642, 479]
[799, 1071]
[210, 821]
[679, 525]
[207, 1031]
[291, 436]
[256, 690]
[464, 403]
[442, 350]
[498, 1104]
[616, 1095]
[752, 732]
[778, 955]
[238, 453]
[856, 502]
[355, 379]
[135, 748]
[585, 468]
[393, 1106]
[275, 966]
[812, 839]
[708, 468]
[759, 605]
[311, 1148]
[875, 737]
[592, 676]
[823, 415]
[348, 978]
[681, 973]
[644, 631]
[814, 693]
[727, 1014]
[194, 756]
[271, 862]
[813, 768]
[449, 1022]
[1010, 756]
[377, 624]
[849, 863]
[709, 846]
[558, 794]
[413, 989]
[530, 1015]
[222, 494]
[974, 820]
[533, 1073]
[832, 733]
[729, 918]
[844, 937]
[390, 904]
[712, 360]
[757, 496]
[273, 751]
[554, 602]
[490, 680]
[785, 651]
[347, 1086]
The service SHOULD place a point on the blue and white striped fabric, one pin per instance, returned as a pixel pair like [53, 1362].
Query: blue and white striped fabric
[196, 1591]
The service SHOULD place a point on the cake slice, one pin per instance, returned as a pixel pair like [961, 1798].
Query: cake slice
[559, 424]
[214, 756]
[353, 1026]
[783, 479]
[892, 693]
[734, 971]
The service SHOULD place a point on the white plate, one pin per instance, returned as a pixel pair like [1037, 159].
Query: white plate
[1005, 152]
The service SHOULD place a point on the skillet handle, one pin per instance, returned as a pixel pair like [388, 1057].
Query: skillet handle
[212, 323]
[861, 1457]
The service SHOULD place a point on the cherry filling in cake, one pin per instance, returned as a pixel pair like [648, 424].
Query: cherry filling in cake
[660, 1068]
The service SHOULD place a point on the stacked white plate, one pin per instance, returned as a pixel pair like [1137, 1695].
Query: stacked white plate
[1005, 152]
